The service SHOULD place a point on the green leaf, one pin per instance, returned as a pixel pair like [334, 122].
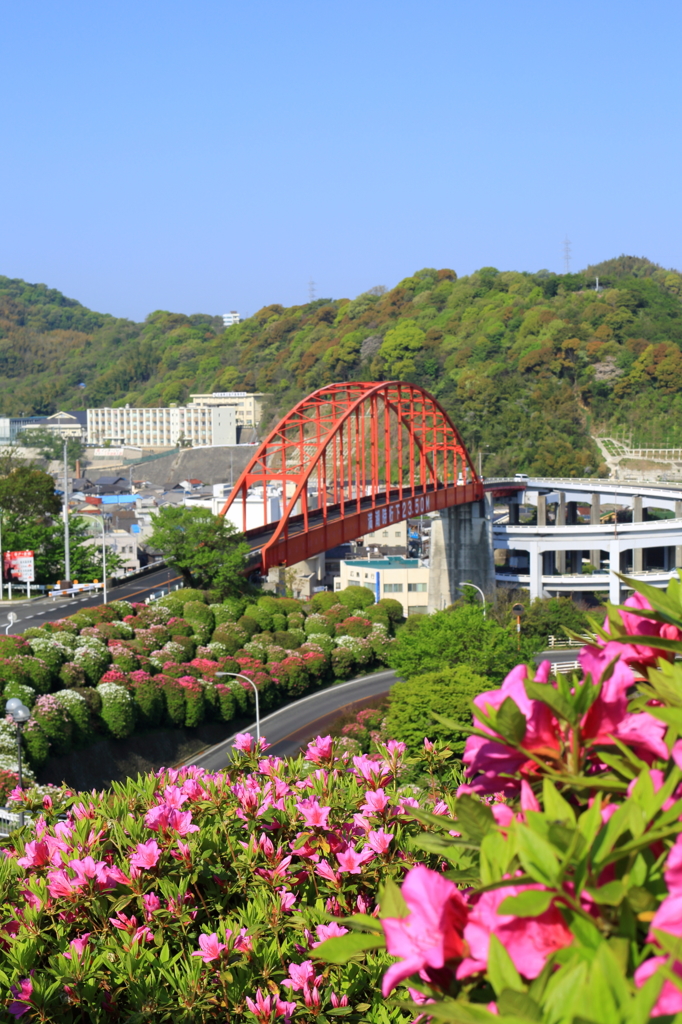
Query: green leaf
[519, 1004]
[452, 850]
[501, 971]
[612, 893]
[359, 922]
[342, 948]
[511, 722]
[555, 806]
[537, 856]
[530, 903]
[391, 901]
[474, 818]
[547, 694]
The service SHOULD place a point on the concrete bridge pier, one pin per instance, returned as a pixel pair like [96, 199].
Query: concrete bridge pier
[595, 509]
[678, 548]
[560, 556]
[461, 551]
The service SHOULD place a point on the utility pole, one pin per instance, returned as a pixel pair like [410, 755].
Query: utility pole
[67, 554]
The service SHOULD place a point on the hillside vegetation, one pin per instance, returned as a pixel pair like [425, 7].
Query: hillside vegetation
[527, 365]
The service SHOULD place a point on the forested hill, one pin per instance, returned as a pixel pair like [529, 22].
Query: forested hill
[526, 364]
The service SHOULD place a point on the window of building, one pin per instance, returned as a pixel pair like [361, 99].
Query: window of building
[393, 588]
[397, 533]
[416, 588]
[384, 533]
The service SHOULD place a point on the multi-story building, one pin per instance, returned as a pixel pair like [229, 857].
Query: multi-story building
[231, 318]
[163, 427]
[405, 579]
[248, 406]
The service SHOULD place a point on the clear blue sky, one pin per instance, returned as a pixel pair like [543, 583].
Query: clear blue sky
[216, 155]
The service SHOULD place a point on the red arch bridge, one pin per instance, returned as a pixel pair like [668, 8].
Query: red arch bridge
[347, 460]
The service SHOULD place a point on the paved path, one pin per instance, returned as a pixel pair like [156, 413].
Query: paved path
[291, 726]
[45, 609]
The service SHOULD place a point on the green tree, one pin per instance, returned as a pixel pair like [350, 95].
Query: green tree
[28, 493]
[457, 636]
[399, 348]
[448, 692]
[207, 550]
[551, 617]
[45, 537]
[51, 445]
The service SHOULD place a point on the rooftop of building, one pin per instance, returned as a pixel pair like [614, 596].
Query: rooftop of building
[390, 562]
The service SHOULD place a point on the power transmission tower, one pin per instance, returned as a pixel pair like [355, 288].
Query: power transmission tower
[567, 255]
[311, 290]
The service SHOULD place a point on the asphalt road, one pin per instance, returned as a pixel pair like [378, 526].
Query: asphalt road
[290, 727]
[45, 609]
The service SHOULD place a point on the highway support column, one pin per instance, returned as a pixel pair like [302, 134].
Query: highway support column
[560, 556]
[595, 509]
[461, 551]
[637, 517]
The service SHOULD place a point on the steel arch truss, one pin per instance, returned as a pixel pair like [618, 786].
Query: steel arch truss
[351, 459]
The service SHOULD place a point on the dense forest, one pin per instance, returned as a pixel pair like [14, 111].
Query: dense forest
[527, 365]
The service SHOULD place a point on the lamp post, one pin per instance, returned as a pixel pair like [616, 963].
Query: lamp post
[238, 675]
[20, 714]
[467, 583]
[65, 512]
[93, 515]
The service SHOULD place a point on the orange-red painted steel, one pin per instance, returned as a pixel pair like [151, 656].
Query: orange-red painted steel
[348, 460]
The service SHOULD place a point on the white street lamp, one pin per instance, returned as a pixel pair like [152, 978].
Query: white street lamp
[238, 675]
[20, 714]
[468, 583]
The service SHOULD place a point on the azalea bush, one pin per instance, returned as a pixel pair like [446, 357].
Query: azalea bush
[107, 671]
[194, 896]
[543, 885]
[559, 891]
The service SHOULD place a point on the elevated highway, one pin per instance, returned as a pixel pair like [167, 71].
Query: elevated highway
[646, 548]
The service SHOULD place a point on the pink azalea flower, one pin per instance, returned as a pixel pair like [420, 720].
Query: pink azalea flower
[151, 903]
[36, 855]
[211, 948]
[528, 940]
[147, 855]
[428, 745]
[431, 934]
[183, 853]
[299, 975]
[670, 998]
[595, 659]
[244, 742]
[61, 886]
[286, 899]
[263, 1007]
[379, 841]
[325, 870]
[376, 802]
[313, 815]
[243, 943]
[22, 998]
[328, 931]
[336, 1002]
[320, 749]
[487, 760]
[352, 861]
[77, 945]
[668, 917]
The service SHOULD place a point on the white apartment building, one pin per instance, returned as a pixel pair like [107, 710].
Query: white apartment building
[393, 535]
[164, 427]
[248, 406]
[405, 579]
[231, 318]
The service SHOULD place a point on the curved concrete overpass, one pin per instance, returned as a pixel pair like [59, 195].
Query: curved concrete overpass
[646, 548]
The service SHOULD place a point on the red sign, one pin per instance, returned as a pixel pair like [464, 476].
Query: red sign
[20, 566]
